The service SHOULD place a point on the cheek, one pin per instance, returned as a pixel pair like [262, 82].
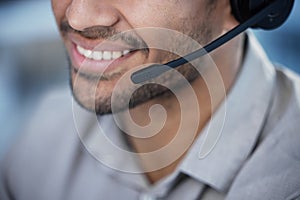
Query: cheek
[152, 14]
[59, 8]
[185, 19]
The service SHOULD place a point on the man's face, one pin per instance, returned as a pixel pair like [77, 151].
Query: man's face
[103, 41]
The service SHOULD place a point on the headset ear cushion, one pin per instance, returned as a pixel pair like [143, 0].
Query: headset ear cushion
[277, 16]
[240, 10]
[244, 9]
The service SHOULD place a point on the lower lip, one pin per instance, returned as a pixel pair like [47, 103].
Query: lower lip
[84, 64]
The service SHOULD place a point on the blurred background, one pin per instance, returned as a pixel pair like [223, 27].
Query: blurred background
[32, 59]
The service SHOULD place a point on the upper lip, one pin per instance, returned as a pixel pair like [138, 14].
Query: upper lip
[99, 44]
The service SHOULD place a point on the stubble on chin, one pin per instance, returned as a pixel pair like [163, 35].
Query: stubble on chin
[95, 94]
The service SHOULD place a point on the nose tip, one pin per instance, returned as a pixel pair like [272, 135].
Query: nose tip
[74, 20]
[83, 14]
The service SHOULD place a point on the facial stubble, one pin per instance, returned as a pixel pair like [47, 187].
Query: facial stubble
[94, 92]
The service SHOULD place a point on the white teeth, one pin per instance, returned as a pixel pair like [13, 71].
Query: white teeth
[88, 53]
[101, 55]
[80, 50]
[97, 55]
[125, 52]
[116, 54]
[107, 55]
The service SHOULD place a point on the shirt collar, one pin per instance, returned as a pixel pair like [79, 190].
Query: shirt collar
[246, 107]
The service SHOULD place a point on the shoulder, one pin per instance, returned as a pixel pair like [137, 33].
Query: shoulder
[289, 80]
[284, 114]
[45, 149]
[273, 170]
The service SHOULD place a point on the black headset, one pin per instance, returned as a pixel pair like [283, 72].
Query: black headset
[245, 9]
[263, 14]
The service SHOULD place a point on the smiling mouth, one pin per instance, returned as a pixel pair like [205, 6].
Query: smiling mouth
[101, 55]
[111, 59]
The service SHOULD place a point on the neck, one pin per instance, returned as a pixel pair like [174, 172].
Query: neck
[178, 118]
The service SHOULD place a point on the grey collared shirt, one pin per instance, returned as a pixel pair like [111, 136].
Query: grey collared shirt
[257, 155]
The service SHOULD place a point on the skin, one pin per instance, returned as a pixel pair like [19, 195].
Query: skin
[94, 21]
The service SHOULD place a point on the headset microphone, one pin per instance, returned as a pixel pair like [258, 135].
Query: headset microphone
[252, 13]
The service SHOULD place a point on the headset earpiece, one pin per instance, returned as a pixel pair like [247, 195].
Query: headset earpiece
[244, 9]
